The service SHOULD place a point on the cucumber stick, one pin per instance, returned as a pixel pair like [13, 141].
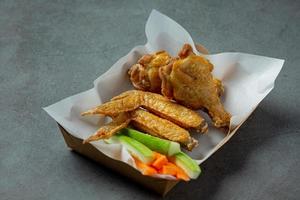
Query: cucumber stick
[136, 148]
[187, 164]
[162, 146]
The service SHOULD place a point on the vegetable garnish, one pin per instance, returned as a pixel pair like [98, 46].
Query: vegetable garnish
[148, 153]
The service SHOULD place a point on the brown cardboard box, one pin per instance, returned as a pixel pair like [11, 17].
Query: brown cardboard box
[160, 186]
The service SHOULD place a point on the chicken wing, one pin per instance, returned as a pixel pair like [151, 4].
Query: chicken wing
[124, 102]
[187, 51]
[144, 75]
[189, 81]
[161, 106]
[162, 128]
[147, 122]
[108, 130]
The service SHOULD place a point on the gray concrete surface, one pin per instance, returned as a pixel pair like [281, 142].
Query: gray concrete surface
[53, 49]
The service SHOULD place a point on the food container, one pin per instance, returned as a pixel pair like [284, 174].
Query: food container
[247, 80]
[160, 186]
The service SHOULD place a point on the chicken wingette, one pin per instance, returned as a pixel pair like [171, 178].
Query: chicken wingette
[162, 128]
[109, 129]
[155, 103]
[149, 112]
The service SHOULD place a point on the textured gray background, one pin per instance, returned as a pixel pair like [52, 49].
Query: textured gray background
[53, 49]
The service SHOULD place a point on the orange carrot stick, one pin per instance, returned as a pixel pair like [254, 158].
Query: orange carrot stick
[169, 169]
[160, 161]
[144, 168]
[182, 175]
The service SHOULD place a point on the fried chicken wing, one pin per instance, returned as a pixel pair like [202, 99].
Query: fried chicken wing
[161, 106]
[147, 122]
[166, 84]
[108, 130]
[162, 128]
[187, 51]
[144, 75]
[124, 102]
[189, 81]
[176, 113]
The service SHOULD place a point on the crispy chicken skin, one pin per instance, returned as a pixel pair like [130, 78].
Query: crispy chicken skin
[155, 103]
[189, 81]
[144, 75]
[127, 101]
[162, 128]
[108, 130]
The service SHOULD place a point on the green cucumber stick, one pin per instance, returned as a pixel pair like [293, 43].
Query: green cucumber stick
[189, 165]
[136, 148]
[162, 146]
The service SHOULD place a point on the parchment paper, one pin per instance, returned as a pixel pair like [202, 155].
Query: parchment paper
[247, 80]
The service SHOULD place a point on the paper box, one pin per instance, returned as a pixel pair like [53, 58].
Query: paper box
[247, 80]
[160, 186]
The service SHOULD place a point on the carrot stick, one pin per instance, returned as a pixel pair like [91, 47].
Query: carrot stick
[144, 168]
[159, 161]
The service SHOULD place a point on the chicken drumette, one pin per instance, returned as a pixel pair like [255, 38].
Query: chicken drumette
[187, 79]
[145, 74]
